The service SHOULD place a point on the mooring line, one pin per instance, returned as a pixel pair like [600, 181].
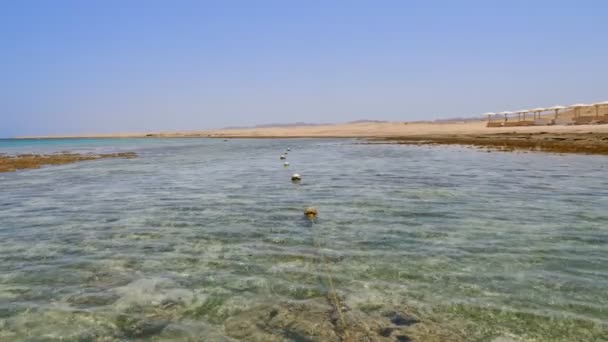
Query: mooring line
[333, 297]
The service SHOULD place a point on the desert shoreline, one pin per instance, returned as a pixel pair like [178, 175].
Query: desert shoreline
[585, 139]
[347, 130]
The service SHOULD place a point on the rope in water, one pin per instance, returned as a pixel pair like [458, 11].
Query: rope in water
[333, 296]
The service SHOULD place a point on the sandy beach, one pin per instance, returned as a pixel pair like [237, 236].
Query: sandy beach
[372, 130]
[350, 130]
[569, 139]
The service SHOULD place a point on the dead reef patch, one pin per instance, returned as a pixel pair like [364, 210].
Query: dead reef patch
[314, 321]
[34, 161]
[584, 143]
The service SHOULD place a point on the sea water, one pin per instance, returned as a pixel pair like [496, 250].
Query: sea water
[205, 240]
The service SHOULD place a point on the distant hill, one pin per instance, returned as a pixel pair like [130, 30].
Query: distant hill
[453, 120]
[271, 125]
[301, 124]
[367, 121]
[362, 121]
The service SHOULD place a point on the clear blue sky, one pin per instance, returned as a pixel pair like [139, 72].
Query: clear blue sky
[108, 66]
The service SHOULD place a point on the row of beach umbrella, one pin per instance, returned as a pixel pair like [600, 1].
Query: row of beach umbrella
[537, 111]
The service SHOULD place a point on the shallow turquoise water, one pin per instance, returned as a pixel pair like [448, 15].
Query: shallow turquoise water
[195, 234]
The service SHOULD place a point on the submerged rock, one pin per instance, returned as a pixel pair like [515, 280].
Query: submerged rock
[131, 326]
[314, 320]
[400, 319]
[93, 299]
[287, 321]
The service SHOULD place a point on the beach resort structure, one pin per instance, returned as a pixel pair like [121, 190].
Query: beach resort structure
[576, 114]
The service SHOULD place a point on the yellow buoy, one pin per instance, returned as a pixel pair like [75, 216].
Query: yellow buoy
[311, 212]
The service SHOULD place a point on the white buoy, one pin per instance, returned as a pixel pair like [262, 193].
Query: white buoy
[282, 157]
[288, 149]
[286, 164]
[296, 177]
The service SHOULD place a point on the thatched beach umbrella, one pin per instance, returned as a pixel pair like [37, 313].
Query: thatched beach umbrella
[556, 109]
[506, 114]
[577, 108]
[490, 115]
[520, 113]
[597, 107]
[537, 111]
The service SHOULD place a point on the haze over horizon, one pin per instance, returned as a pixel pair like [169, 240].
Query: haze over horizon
[72, 67]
